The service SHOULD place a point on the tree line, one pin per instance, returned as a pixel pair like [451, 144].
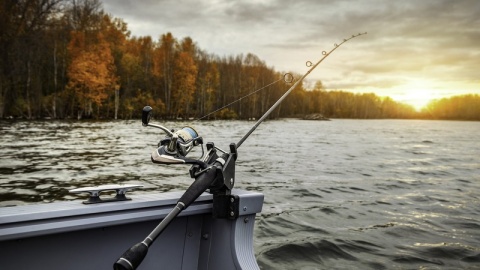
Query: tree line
[462, 107]
[69, 59]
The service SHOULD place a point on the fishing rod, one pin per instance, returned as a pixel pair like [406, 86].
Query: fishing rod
[214, 170]
[274, 106]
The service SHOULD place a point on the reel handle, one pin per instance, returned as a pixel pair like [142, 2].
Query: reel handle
[146, 115]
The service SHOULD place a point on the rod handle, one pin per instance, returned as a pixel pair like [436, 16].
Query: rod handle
[132, 258]
[201, 183]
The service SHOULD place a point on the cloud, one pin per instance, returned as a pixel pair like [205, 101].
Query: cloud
[407, 40]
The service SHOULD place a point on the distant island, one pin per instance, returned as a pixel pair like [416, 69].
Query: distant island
[315, 116]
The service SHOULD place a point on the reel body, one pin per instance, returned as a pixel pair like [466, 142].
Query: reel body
[181, 141]
[176, 145]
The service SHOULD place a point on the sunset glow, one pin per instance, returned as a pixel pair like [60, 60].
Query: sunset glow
[417, 93]
[418, 98]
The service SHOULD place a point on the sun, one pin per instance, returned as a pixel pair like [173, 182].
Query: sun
[417, 93]
[418, 98]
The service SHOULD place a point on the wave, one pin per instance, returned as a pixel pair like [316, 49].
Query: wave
[348, 195]
[301, 253]
[445, 254]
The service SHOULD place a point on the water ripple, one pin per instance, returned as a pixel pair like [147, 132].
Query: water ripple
[342, 194]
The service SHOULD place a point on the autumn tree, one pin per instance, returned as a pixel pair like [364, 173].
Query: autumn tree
[462, 107]
[23, 27]
[319, 98]
[85, 16]
[163, 67]
[184, 79]
[207, 84]
[116, 33]
[91, 72]
[252, 81]
[130, 74]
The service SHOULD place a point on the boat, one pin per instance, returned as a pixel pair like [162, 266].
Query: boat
[75, 235]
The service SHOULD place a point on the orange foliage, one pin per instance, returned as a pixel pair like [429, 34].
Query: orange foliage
[184, 77]
[92, 71]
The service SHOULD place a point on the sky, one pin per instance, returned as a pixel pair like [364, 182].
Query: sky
[414, 51]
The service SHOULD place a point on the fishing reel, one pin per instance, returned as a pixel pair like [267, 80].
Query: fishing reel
[176, 145]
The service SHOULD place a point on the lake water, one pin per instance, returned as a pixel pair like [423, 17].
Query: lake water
[342, 194]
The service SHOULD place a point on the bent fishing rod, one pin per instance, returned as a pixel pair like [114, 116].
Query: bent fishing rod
[214, 170]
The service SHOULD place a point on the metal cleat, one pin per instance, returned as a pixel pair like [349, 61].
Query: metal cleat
[95, 191]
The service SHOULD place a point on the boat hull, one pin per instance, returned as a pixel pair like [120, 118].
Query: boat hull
[72, 235]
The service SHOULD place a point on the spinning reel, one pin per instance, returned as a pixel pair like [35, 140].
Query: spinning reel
[175, 147]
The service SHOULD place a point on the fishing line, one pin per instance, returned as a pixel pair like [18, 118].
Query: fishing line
[312, 67]
[287, 77]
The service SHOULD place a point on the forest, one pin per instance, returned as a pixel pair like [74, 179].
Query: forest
[63, 59]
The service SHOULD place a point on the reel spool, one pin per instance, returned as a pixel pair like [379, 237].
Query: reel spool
[176, 145]
[184, 139]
